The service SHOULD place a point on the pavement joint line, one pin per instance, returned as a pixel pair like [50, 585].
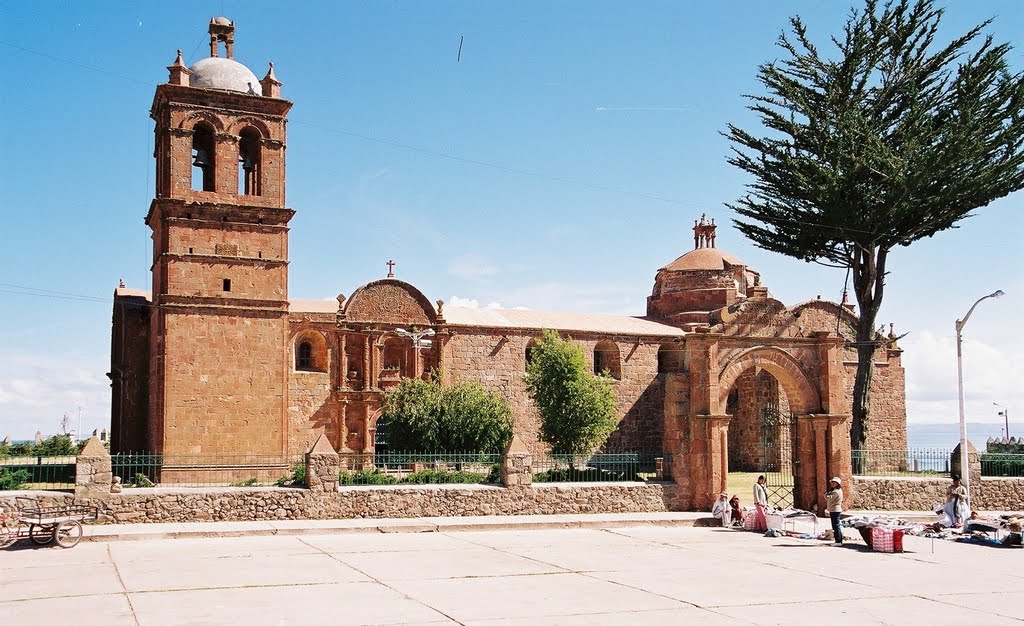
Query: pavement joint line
[72, 596]
[950, 603]
[383, 584]
[124, 588]
[250, 586]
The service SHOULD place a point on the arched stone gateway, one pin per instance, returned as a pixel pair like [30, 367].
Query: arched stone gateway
[803, 397]
[697, 420]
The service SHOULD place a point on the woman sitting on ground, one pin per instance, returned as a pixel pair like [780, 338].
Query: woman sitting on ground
[735, 511]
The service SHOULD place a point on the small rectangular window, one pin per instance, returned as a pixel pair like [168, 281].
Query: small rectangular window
[227, 284]
[190, 250]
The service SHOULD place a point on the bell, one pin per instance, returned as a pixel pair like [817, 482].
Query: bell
[248, 163]
[202, 159]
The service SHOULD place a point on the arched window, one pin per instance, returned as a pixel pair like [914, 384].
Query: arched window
[606, 359]
[204, 156]
[304, 356]
[249, 163]
[528, 356]
[310, 351]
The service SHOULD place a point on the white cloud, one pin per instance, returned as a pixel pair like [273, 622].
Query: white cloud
[35, 392]
[463, 303]
[471, 266]
[991, 374]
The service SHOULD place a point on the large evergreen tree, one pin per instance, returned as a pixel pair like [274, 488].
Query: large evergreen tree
[891, 138]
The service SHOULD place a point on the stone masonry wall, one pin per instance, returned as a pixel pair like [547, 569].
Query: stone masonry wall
[921, 494]
[270, 503]
[484, 356]
[224, 384]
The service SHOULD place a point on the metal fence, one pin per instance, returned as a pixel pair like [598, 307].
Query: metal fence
[999, 464]
[393, 468]
[37, 472]
[920, 462]
[602, 467]
[146, 469]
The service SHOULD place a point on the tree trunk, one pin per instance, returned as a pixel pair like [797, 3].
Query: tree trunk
[868, 267]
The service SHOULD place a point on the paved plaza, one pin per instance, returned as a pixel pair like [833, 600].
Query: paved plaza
[634, 575]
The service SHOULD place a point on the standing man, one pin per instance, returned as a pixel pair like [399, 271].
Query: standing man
[834, 504]
[761, 502]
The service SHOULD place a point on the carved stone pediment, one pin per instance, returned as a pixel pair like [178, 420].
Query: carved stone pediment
[390, 301]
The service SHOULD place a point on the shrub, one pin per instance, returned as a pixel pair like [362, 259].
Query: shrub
[249, 482]
[365, 477]
[423, 415]
[577, 408]
[296, 479]
[141, 480]
[9, 481]
[437, 477]
[58, 445]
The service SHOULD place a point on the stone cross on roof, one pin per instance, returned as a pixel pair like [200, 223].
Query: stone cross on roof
[391, 268]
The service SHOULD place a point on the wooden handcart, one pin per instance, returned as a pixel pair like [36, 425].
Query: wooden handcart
[42, 525]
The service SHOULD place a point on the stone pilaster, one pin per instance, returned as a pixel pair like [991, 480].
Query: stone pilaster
[973, 463]
[516, 465]
[93, 475]
[322, 466]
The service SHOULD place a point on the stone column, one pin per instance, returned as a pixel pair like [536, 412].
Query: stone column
[708, 459]
[322, 466]
[342, 363]
[516, 464]
[823, 452]
[93, 475]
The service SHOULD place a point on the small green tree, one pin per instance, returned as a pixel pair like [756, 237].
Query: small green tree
[58, 445]
[577, 408]
[423, 416]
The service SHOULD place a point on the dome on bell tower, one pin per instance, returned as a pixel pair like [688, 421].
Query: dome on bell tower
[223, 72]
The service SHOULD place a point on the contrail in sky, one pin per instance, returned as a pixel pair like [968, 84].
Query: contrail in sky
[643, 108]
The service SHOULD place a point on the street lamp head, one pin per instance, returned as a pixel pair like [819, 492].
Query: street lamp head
[997, 294]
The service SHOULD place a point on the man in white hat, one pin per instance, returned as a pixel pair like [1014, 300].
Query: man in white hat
[834, 504]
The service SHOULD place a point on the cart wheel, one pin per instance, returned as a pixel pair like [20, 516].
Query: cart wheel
[40, 535]
[8, 536]
[68, 533]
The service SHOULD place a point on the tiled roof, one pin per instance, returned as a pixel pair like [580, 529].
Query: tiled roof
[582, 322]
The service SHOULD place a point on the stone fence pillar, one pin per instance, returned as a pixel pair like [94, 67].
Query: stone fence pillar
[973, 464]
[516, 464]
[322, 466]
[93, 475]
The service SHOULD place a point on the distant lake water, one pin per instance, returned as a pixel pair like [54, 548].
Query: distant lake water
[948, 435]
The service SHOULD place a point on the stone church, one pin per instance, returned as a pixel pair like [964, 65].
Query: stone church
[215, 359]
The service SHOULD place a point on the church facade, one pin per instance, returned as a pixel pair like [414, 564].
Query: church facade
[215, 359]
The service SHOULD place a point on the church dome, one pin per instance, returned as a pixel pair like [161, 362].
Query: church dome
[221, 73]
[703, 259]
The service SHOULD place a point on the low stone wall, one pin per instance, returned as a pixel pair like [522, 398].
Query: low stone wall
[270, 503]
[921, 494]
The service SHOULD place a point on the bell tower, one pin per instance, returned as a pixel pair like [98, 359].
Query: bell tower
[220, 257]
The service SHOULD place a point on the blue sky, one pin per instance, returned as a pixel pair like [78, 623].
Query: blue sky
[556, 166]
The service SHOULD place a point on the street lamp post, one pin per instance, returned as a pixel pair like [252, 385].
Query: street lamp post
[418, 342]
[1005, 414]
[964, 468]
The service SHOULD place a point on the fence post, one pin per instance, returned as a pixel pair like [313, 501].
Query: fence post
[516, 464]
[93, 474]
[322, 466]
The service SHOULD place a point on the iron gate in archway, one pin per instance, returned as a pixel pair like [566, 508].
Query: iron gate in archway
[778, 432]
